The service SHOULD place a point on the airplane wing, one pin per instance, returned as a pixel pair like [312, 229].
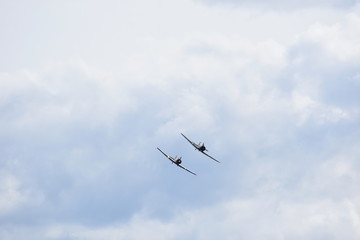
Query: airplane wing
[172, 159]
[197, 147]
[210, 157]
[192, 143]
[168, 156]
[186, 169]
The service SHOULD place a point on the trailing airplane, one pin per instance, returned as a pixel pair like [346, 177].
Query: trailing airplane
[177, 161]
[200, 147]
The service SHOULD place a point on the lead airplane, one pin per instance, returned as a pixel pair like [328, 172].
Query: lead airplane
[177, 161]
[200, 147]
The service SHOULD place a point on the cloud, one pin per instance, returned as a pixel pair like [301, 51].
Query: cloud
[79, 140]
[10, 193]
[307, 210]
[285, 5]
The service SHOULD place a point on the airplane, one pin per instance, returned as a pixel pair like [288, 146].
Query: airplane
[177, 161]
[200, 147]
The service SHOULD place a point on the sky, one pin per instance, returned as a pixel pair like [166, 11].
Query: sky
[90, 89]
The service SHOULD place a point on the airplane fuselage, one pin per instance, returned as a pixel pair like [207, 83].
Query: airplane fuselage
[202, 148]
[177, 161]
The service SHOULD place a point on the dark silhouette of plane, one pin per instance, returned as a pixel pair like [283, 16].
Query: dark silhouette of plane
[200, 147]
[177, 161]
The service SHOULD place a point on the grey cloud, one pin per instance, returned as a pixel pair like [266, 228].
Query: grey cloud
[89, 163]
[97, 164]
[78, 147]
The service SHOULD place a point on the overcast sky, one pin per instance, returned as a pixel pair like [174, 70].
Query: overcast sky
[90, 89]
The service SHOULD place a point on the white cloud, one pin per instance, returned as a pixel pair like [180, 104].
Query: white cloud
[11, 196]
[279, 108]
[307, 109]
[276, 215]
[286, 5]
[64, 93]
[340, 39]
[309, 210]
